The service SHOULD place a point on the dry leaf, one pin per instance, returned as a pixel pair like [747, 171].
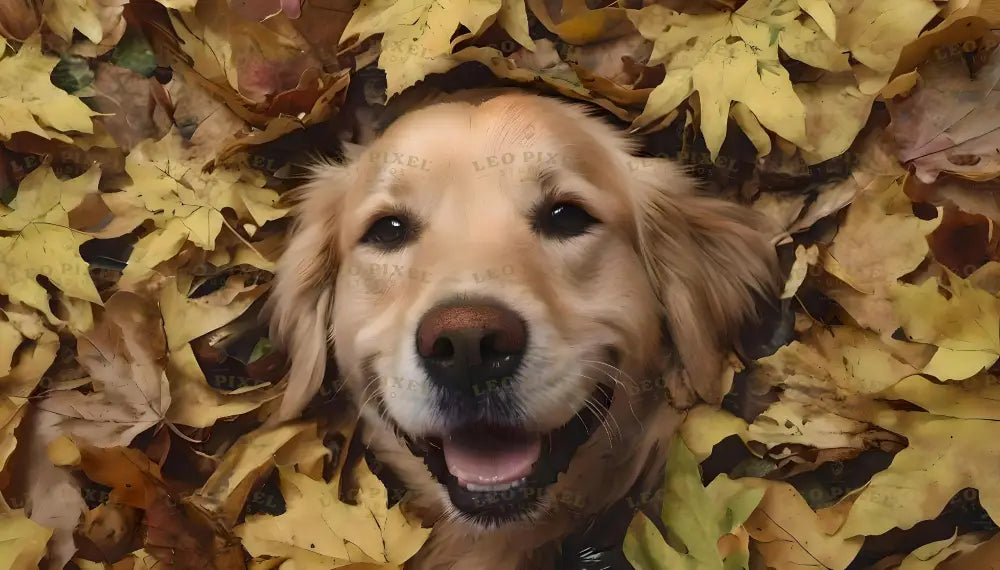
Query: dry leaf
[31, 103]
[417, 34]
[125, 357]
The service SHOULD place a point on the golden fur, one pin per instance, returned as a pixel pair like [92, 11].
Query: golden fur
[662, 255]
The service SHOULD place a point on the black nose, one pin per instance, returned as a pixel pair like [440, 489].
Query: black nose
[465, 346]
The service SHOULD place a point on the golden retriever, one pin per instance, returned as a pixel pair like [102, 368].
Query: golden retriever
[520, 308]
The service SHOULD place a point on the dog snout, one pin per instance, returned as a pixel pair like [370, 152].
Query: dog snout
[461, 346]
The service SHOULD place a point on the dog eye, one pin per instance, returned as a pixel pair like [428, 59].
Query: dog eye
[388, 232]
[565, 220]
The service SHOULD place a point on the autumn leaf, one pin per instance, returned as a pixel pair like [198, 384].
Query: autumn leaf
[22, 542]
[335, 533]
[965, 326]
[699, 517]
[870, 262]
[125, 356]
[185, 203]
[40, 242]
[788, 533]
[943, 457]
[195, 403]
[700, 57]
[226, 491]
[102, 22]
[31, 103]
[417, 34]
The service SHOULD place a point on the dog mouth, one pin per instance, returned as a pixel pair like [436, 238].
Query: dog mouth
[496, 473]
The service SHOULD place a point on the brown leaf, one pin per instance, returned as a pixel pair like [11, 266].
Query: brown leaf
[19, 18]
[964, 242]
[125, 356]
[182, 542]
[135, 112]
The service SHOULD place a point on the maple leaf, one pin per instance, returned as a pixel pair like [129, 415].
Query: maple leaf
[335, 533]
[100, 21]
[185, 203]
[698, 516]
[417, 34]
[943, 457]
[250, 458]
[31, 103]
[125, 355]
[965, 326]
[43, 243]
[788, 533]
[727, 57]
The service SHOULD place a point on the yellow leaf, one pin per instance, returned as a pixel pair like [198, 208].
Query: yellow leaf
[417, 34]
[63, 452]
[22, 541]
[969, 321]
[31, 103]
[195, 403]
[836, 111]
[318, 531]
[704, 426]
[943, 457]
[804, 258]
[182, 5]
[184, 202]
[11, 414]
[44, 243]
[975, 398]
[790, 534]
[847, 360]
[876, 243]
[226, 491]
[876, 31]
[822, 13]
[36, 352]
[100, 21]
[729, 57]
[185, 319]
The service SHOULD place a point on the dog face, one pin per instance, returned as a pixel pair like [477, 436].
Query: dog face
[499, 284]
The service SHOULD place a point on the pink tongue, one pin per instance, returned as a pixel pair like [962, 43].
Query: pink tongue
[488, 460]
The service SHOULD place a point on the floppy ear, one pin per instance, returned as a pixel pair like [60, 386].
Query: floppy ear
[711, 264]
[301, 304]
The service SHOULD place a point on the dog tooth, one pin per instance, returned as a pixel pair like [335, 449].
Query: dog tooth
[494, 488]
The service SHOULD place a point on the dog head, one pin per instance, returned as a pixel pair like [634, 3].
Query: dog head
[509, 294]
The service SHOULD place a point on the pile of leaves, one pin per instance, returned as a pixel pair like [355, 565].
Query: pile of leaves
[144, 149]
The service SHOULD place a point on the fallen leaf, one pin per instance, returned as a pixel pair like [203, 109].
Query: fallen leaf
[185, 203]
[696, 47]
[226, 491]
[125, 357]
[879, 241]
[876, 31]
[336, 533]
[968, 322]
[943, 457]
[102, 22]
[788, 533]
[22, 542]
[417, 35]
[43, 244]
[195, 403]
[19, 19]
[32, 104]
[696, 515]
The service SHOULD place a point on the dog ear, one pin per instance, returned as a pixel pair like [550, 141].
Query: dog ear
[301, 304]
[711, 264]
